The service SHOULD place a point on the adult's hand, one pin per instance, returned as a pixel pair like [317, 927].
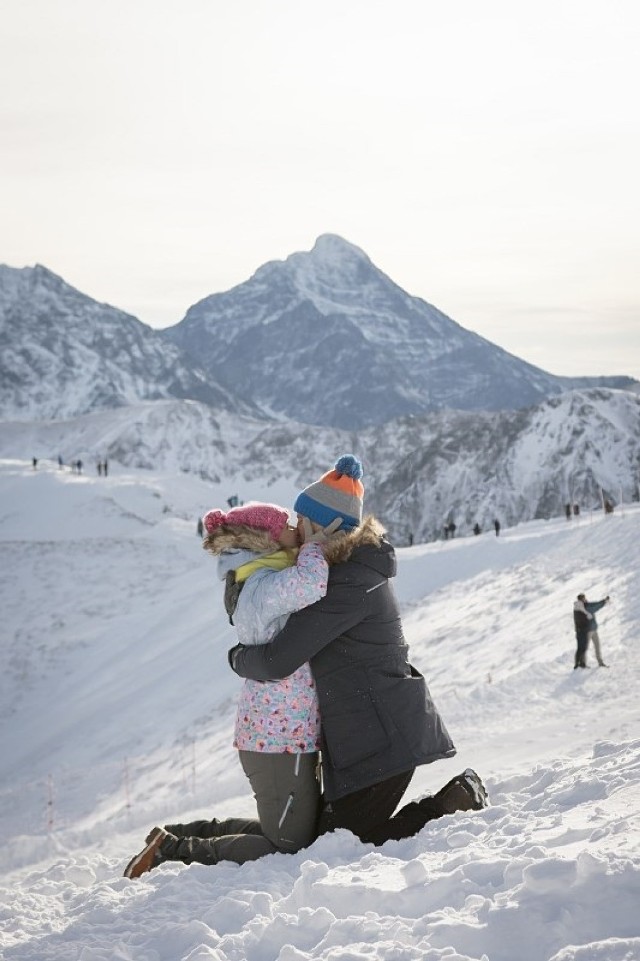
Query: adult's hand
[321, 536]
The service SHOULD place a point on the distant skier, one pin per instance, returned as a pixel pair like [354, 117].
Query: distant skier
[477, 529]
[496, 524]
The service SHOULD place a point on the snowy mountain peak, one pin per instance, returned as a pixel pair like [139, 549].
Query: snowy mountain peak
[41, 275]
[66, 354]
[332, 272]
[46, 294]
[330, 268]
[333, 247]
[332, 254]
[360, 350]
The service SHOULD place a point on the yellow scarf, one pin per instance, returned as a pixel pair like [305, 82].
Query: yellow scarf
[277, 561]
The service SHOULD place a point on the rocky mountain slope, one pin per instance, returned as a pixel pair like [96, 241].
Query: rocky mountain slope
[419, 471]
[326, 338]
[64, 354]
[322, 338]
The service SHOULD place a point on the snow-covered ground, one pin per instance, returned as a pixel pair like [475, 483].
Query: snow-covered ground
[116, 710]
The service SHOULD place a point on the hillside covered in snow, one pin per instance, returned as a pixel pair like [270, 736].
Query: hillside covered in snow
[420, 472]
[116, 713]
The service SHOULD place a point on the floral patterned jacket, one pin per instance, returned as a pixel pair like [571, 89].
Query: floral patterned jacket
[282, 716]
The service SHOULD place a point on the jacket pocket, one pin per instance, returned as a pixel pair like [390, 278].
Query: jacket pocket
[353, 730]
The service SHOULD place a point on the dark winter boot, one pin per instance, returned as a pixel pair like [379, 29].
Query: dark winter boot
[466, 792]
[408, 821]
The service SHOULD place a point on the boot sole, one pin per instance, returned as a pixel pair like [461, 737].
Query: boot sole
[152, 840]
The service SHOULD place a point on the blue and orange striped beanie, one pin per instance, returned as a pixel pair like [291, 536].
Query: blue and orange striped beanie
[338, 493]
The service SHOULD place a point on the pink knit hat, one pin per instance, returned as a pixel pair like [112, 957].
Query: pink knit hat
[266, 517]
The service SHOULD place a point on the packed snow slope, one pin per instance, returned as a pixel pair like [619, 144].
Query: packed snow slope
[116, 713]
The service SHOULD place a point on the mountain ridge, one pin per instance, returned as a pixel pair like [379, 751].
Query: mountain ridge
[65, 354]
[383, 352]
[323, 337]
[420, 472]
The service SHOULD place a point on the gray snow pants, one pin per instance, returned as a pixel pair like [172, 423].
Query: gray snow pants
[595, 640]
[287, 794]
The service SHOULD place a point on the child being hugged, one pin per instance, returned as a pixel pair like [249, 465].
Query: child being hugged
[256, 549]
[277, 730]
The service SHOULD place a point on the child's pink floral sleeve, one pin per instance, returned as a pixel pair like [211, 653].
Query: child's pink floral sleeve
[298, 586]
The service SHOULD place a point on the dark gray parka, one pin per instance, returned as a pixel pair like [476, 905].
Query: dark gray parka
[376, 712]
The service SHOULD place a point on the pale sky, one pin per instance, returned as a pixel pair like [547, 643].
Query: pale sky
[485, 155]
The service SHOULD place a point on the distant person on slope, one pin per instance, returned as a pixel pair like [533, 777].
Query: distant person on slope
[592, 607]
[581, 621]
[378, 722]
[277, 725]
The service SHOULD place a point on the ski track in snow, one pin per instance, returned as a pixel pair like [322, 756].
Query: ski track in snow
[117, 709]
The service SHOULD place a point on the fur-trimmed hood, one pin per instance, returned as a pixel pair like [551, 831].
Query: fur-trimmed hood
[340, 546]
[234, 537]
[365, 544]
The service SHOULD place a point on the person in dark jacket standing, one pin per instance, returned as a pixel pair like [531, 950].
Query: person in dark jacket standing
[581, 621]
[378, 721]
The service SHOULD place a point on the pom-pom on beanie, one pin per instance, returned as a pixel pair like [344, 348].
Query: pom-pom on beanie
[264, 517]
[338, 493]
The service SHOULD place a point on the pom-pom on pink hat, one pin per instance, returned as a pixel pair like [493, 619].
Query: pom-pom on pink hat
[264, 517]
